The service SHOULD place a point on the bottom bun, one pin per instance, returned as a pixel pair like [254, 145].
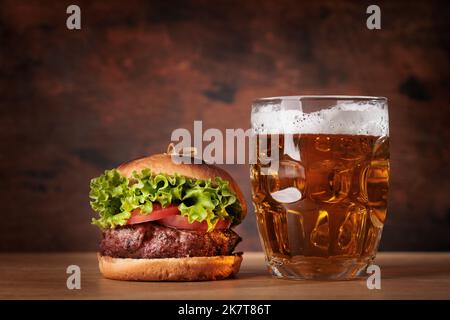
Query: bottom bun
[170, 269]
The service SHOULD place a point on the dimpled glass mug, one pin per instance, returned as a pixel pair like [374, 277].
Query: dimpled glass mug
[320, 183]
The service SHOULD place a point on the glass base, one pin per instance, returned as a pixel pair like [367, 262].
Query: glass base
[315, 268]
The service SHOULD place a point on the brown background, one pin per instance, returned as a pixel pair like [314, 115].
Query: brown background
[74, 103]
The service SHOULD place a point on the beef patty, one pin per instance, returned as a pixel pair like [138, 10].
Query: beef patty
[152, 240]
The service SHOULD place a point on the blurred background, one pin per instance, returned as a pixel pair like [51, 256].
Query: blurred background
[74, 103]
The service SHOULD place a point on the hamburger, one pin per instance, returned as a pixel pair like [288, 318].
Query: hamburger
[167, 221]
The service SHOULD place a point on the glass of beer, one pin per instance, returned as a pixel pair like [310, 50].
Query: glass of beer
[320, 179]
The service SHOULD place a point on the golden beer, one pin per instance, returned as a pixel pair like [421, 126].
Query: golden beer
[321, 209]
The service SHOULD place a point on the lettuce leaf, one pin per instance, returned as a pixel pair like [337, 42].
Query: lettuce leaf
[114, 196]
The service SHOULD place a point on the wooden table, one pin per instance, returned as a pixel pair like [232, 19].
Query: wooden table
[43, 276]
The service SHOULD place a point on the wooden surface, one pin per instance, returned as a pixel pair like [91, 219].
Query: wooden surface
[43, 276]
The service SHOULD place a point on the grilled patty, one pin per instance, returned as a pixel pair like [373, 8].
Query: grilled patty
[151, 240]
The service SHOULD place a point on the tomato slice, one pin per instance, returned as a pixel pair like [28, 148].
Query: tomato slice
[170, 217]
[157, 213]
[182, 223]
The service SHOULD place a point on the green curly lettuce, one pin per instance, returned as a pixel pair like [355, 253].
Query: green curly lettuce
[114, 196]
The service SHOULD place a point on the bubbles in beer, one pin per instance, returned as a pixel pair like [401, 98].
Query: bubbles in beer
[349, 150]
[323, 143]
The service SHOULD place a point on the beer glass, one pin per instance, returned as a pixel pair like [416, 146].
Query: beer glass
[319, 183]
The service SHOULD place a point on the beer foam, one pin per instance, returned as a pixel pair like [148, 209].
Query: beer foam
[355, 118]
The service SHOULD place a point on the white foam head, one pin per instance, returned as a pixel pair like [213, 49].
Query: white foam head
[367, 117]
